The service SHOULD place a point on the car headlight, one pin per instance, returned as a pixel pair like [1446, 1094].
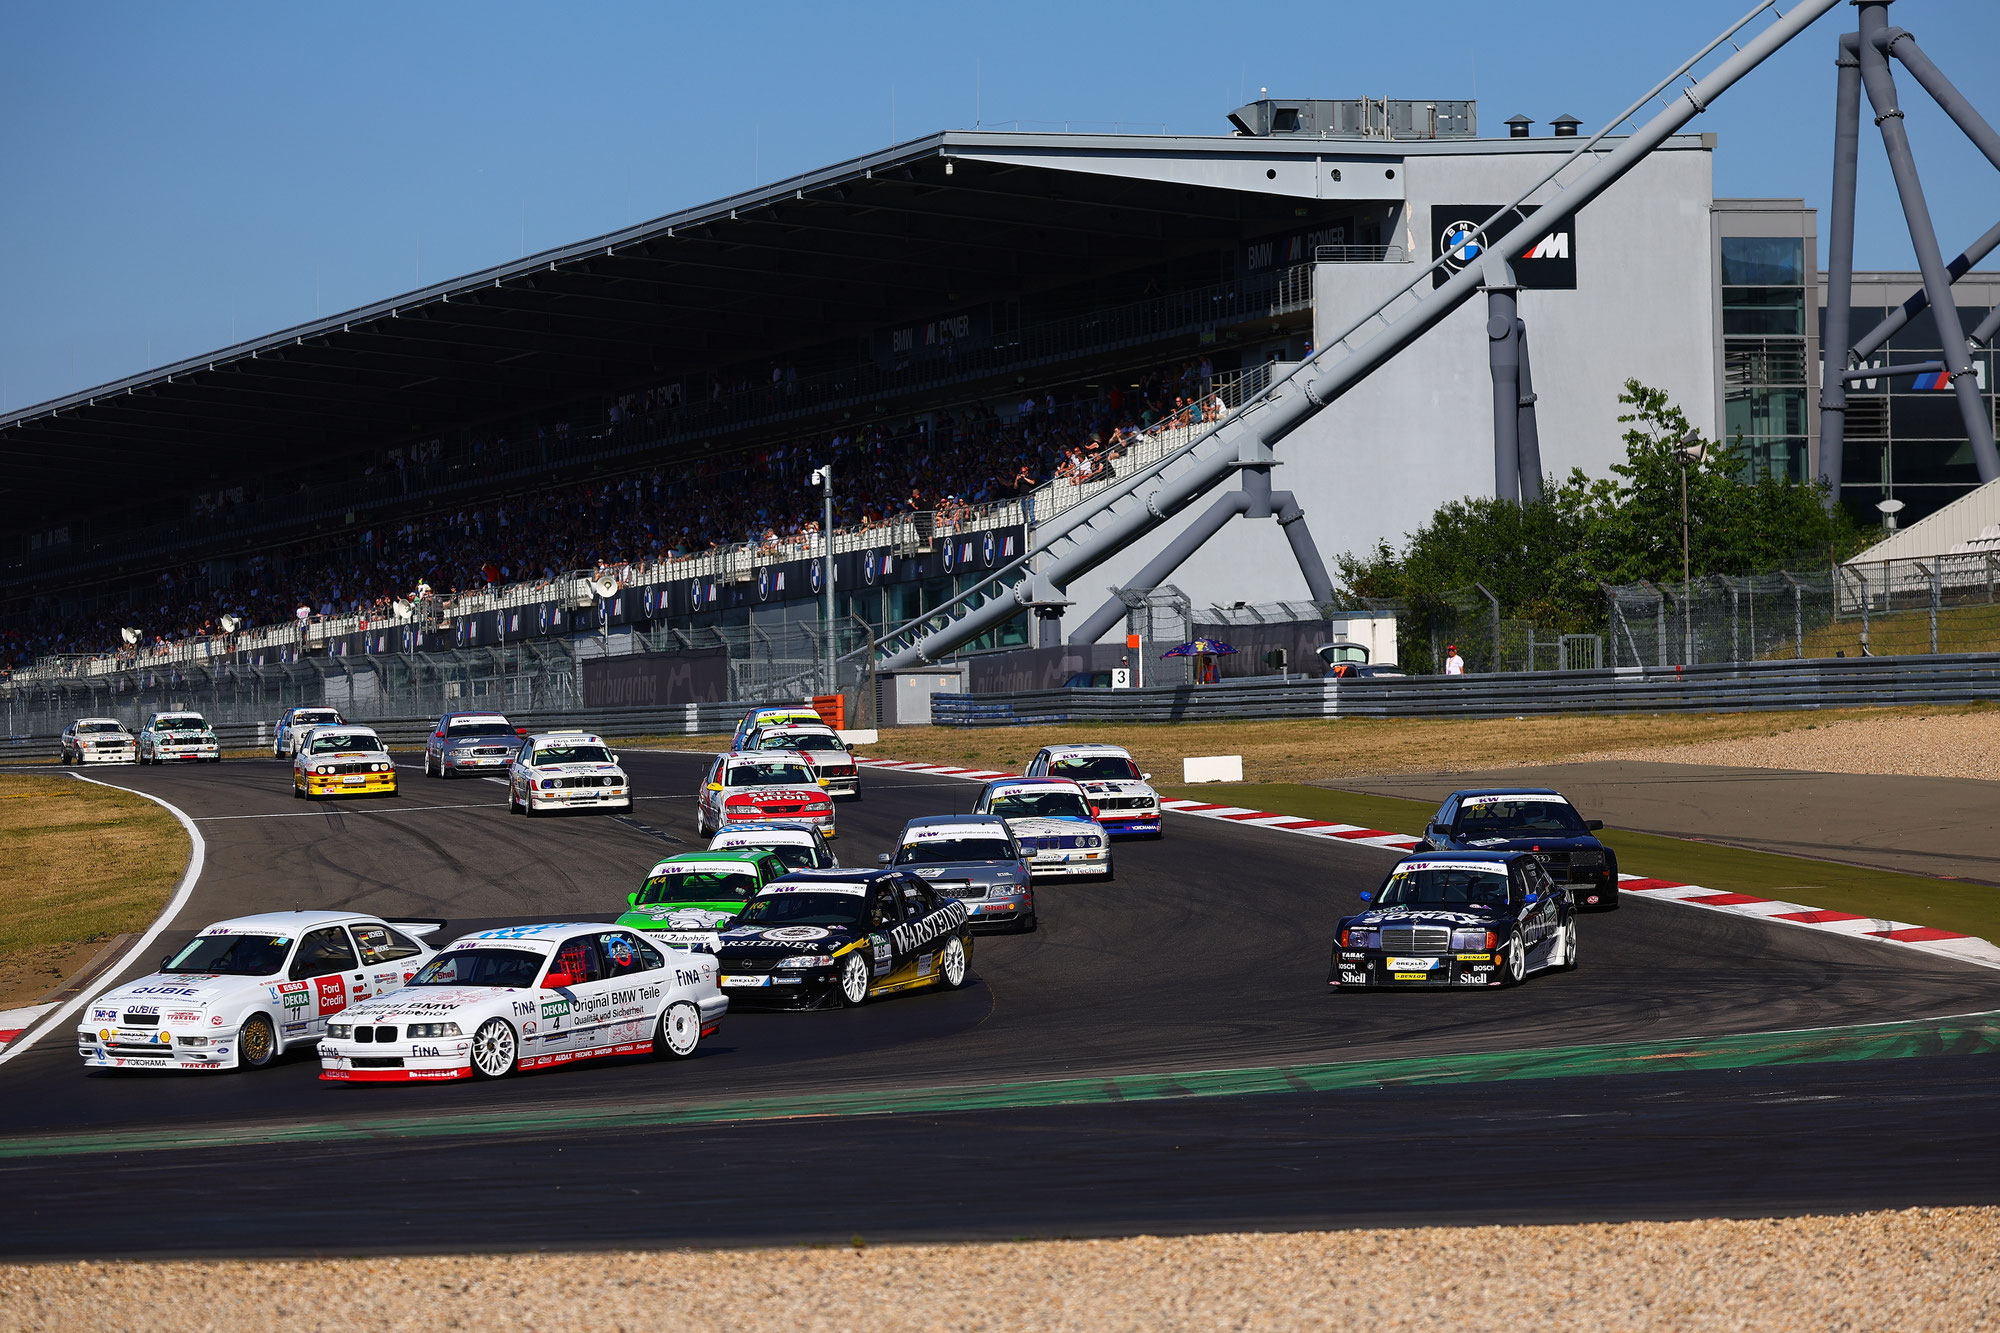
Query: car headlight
[378, 768]
[1482, 941]
[431, 1030]
[1091, 841]
[1360, 939]
[340, 1031]
[808, 960]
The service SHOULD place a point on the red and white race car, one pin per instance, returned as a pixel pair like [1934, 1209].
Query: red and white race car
[745, 787]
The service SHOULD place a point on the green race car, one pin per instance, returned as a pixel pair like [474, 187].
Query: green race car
[689, 899]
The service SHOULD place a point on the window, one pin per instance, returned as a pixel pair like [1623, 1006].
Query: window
[579, 959]
[884, 912]
[322, 953]
[1763, 261]
[622, 954]
[1763, 310]
[379, 944]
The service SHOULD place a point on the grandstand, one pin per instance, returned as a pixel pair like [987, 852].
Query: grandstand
[975, 329]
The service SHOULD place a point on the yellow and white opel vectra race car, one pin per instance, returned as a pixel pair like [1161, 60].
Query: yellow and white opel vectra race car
[342, 761]
[525, 997]
[244, 991]
[566, 770]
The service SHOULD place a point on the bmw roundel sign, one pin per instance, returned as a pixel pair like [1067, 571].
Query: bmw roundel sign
[818, 576]
[1547, 263]
[764, 583]
[987, 548]
[871, 565]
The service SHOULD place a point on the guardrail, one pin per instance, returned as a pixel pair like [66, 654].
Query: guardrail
[408, 733]
[1739, 687]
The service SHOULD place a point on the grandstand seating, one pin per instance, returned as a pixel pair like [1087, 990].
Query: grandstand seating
[945, 464]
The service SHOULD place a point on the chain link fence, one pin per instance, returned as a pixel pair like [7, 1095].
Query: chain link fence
[1888, 608]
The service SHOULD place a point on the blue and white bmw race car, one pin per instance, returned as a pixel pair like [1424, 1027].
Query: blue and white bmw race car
[1050, 818]
[1120, 795]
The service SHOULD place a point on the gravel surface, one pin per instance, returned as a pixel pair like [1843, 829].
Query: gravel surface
[1926, 1268]
[1957, 745]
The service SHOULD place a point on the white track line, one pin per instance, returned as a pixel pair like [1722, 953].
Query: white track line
[197, 858]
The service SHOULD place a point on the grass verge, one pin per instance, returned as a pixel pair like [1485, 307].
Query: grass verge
[1324, 750]
[1973, 909]
[84, 863]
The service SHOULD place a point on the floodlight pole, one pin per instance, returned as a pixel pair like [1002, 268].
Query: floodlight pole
[825, 477]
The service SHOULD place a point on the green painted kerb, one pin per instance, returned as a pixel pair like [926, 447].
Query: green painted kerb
[1976, 1034]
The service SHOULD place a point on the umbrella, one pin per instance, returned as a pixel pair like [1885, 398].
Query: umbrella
[1196, 647]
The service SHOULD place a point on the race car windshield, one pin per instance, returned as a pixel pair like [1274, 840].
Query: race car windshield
[180, 724]
[307, 719]
[233, 955]
[1040, 805]
[1446, 888]
[94, 728]
[698, 886]
[1505, 818]
[769, 775]
[945, 851]
[806, 909]
[809, 741]
[489, 726]
[1099, 768]
[349, 743]
[796, 856]
[480, 967]
[572, 754]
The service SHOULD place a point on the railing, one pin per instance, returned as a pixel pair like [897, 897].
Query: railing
[1741, 687]
[1359, 254]
[526, 450]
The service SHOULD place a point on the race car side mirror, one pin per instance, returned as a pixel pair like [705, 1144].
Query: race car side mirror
[437, 735]
[1368, 895]
[165, 960]
[715, 786]
[1145, 777]
[1533, 898]
[632, 900]
[1593, 824]
[520, 731]
[557, 981]
[882, 858]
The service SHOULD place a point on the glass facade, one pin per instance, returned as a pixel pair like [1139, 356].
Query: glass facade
[1905, 439]
[1764, 362]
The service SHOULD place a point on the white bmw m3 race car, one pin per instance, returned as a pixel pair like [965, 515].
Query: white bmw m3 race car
[245, 991]
[526, 997]
[566, 770]
[1120, 795]
[1050, 818]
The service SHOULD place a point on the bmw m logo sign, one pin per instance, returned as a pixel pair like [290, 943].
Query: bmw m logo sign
[764, 584]
[1548, 263]
[986, 550]
[818, 576]
[871, 566]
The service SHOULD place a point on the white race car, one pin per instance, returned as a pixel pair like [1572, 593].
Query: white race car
[832, 762]
[1119, 795]
[244, 991]
[800, 846]
[566, 770]
[1050, 818]
[178, 736]
[98, 740]
[294, 724]
[525, 997]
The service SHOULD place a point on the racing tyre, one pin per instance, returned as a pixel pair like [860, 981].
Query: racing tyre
[298, 792]
[679, 1031]
[953, 966]
[256, 1044]
[854, 979]
[495, 1049]
[1568, 963]
[1514, 964]
[429, 772]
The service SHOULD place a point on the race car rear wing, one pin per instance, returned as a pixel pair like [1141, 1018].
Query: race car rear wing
[416, 926]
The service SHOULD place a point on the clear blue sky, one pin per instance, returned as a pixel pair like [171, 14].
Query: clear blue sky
[179, 175]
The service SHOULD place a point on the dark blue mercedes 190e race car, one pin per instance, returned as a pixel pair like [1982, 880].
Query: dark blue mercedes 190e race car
[1457, 919]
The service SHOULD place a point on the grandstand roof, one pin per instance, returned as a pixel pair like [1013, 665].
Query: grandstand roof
[911, 231]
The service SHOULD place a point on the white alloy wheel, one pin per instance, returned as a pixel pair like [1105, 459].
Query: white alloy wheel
[1514, 962]
[680, 1031]
[854, 978]
[1569, 946]
[951, 966]
[494, 1049]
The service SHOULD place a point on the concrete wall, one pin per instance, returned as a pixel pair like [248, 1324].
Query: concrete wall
[1419, 431]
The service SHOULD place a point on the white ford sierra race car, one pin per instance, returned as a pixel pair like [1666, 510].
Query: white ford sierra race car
[245, 991]
[525, 997]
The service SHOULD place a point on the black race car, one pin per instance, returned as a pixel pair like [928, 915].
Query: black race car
[1530, 819]
[1447, 919]
[834, 937]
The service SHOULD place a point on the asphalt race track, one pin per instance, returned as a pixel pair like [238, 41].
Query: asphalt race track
[1208, 952]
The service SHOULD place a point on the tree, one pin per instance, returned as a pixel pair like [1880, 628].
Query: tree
[1544, 561]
